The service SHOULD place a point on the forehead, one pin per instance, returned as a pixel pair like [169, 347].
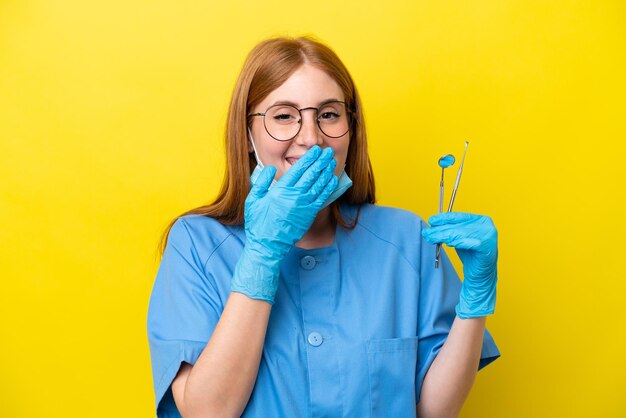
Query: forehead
[307, 86]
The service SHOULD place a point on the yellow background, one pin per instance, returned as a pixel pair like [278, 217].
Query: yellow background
[111, 123]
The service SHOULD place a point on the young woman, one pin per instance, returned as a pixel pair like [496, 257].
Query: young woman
[293, 294]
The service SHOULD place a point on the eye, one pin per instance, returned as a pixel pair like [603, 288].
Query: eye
[283, 116]
[331, 112]
[329, 116]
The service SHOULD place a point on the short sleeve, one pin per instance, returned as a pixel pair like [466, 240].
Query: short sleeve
[439, 294]
[183, 311]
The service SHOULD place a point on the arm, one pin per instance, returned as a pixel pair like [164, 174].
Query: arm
[221, 381]
[451, 376]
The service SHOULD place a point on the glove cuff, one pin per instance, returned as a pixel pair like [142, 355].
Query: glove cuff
[477, 300]
[256, 275]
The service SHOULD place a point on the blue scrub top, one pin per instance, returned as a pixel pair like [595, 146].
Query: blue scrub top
[353, 330]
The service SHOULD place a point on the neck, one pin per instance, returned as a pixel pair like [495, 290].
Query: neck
[321, 233]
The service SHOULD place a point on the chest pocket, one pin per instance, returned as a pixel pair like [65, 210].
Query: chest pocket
[391, 367]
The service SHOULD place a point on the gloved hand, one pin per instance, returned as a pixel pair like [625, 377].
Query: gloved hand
[277, 218]
[475, 239]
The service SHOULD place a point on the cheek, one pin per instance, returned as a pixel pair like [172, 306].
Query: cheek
[340, 165]
[276, 157]
[341, 158]
[272, 151]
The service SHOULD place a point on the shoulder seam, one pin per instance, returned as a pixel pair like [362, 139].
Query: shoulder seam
[186, 225]
[230, 234]
[393, 245]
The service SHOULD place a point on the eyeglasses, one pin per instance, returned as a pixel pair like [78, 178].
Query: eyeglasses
[283, 121]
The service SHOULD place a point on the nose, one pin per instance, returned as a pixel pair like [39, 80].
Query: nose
[310, 134]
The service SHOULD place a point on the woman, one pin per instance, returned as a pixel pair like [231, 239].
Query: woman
[293, 295]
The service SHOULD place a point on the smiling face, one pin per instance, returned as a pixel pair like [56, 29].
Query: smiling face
[308, 86]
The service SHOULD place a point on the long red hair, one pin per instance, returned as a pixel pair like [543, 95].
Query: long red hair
[269, 65]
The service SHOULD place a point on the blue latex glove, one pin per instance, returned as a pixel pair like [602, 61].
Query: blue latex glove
[475, 239]
[277, 218]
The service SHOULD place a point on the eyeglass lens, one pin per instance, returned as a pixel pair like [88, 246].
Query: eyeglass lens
[283, 121]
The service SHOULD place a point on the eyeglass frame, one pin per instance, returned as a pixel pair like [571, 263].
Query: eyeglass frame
[317, 121]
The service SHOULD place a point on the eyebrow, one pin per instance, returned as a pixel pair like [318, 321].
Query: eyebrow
[290, 103]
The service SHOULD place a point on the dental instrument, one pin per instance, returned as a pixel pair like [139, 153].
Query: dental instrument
[454, 190]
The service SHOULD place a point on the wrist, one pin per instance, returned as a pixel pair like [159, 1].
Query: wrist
[256, 275]
[477, 298]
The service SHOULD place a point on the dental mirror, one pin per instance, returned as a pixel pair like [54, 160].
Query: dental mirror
[444, 162]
